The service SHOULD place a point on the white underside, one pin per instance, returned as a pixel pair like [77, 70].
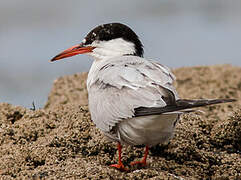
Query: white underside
[147, 130]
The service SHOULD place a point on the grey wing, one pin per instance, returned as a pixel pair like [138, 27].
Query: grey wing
[122, 86]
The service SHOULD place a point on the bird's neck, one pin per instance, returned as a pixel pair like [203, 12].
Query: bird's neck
[113, 48]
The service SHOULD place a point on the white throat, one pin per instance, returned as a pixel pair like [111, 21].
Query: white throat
[112, 48]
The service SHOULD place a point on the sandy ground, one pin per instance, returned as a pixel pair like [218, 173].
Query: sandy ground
[60, 141]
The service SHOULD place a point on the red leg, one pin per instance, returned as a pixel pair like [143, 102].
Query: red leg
[143, 161]
[120, 165]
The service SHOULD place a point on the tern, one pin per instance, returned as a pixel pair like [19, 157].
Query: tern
[132, 100]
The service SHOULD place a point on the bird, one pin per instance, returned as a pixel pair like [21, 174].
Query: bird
[132, 100]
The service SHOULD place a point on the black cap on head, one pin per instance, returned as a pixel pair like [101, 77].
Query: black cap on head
[111, 31]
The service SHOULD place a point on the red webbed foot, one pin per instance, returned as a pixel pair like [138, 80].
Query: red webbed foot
[119, 166]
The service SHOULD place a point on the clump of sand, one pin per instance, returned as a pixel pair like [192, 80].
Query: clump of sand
[60, 141]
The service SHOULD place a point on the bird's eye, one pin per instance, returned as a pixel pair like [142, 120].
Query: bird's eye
[84, 41]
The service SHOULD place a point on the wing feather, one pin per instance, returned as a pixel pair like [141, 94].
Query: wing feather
[118, 87]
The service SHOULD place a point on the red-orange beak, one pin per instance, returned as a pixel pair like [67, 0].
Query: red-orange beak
[77, 49]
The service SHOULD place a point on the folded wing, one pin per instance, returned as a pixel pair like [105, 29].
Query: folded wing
[123, 85]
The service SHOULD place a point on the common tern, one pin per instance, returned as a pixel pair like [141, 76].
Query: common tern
[132, 100]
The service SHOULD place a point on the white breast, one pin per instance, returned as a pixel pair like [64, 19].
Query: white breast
[147, 130]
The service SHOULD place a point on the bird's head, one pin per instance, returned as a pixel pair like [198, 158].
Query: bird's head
[106, 41]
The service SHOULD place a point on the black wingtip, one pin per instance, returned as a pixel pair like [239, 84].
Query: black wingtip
[227, 100]
[201, 102]
[181, 104]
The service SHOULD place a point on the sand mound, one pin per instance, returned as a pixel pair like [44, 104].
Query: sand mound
[60, 141]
